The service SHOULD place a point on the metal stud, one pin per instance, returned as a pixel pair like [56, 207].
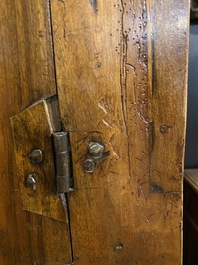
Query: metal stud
[119, 246]
[35, 157]
[89, 165]
[31, 181]
[96, 149]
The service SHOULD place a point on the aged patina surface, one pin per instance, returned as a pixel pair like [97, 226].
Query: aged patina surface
[119, 69]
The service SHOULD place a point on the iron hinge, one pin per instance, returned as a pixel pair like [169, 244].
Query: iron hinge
[63, 162]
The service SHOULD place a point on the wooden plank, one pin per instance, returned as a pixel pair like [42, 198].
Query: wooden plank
[170, 27]
[26, 75]
[121, 76]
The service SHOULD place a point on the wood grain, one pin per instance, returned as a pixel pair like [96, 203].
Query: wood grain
[170, 64]
[26, 75]
[121, 74]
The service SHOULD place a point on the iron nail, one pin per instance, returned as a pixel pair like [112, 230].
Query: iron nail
[35, 157]
[31, 181]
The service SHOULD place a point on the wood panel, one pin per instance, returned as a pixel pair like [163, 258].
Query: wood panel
[26, 75]
[121, 74]
[170, 33]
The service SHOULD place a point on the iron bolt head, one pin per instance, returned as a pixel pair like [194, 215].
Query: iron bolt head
[96, 149]
[35, 157]
[89, 165]
[31, 181]
[119, 246]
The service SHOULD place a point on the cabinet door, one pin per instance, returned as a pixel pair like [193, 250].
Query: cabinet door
[121, 71]
[26, 76]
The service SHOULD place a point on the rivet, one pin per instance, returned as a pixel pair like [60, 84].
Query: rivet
[119, 246]
[164, 129]
[35, 157]
[89, 165]
[31, 181]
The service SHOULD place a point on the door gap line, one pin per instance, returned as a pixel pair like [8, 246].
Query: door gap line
[56, 86]
[69, 225]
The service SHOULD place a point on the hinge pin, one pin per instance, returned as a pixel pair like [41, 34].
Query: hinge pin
[63, 163]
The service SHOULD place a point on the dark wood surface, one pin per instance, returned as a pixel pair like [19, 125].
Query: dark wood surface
[122, 80]
[26, 75]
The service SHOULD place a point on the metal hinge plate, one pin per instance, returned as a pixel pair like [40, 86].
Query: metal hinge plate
[42, 184]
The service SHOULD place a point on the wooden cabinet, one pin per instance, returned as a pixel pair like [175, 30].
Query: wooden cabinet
[113, 73]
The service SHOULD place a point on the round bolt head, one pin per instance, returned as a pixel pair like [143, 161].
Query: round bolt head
[36, 157]
[89, 165]
[96, 149]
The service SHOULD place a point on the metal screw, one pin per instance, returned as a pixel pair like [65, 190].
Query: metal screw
[31, 181]
[36, 157]
[89, 165]
[119, 246]
[96, 149]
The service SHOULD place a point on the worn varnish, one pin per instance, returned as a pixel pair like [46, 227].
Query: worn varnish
[121, 73]
[26, 75]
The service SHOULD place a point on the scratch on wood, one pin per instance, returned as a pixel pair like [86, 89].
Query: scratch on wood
[123, 54]
[107, 123]
[151, 146]
[101, 106]
[123, 61]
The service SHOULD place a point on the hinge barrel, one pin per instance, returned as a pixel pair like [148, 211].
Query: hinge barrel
[63, 163]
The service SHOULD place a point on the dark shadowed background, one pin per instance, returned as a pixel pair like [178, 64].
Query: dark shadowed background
[191, 157]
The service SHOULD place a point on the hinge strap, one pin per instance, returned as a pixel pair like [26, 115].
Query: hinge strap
[63, 162]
